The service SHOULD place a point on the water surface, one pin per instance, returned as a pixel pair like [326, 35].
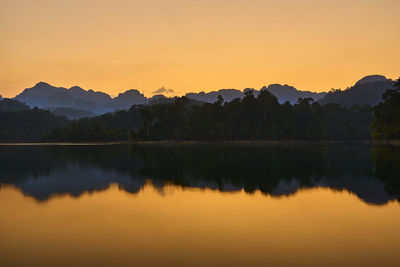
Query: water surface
[127, 205]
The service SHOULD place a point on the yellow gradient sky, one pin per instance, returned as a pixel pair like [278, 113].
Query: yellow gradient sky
[188, 45]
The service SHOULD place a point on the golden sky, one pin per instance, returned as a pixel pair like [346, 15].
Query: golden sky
[189, 45]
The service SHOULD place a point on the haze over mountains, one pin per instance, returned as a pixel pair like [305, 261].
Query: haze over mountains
[76, 102]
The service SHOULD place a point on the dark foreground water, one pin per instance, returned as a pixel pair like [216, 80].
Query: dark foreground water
[127, 205]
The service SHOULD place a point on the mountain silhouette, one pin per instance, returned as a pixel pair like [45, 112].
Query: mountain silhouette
[76, 102]
[46, 96]
[372, 79]
[289, 93]
[126, 100]
[282, 92]
[158, 99]
[227, 94]
[367, 91]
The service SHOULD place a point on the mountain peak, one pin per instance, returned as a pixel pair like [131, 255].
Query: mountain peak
[277, 86]
[76, 89]
[372, 79]
[42, 84]
[130, 92]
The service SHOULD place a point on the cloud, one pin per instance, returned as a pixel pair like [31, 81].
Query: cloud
[163, 90]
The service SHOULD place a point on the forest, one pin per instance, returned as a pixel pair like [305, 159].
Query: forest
[252, 117]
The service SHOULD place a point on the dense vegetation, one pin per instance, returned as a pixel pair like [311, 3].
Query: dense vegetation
[250, 118]
[387, 115]
[253, 117]
[117, 126]
[28, 125]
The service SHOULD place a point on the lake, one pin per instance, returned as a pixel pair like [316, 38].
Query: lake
[199, 205]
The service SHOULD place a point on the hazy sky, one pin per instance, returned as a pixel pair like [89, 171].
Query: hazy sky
[187, 45]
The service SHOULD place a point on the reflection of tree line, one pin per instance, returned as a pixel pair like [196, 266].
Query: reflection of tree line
[387, 167]
[273, 170]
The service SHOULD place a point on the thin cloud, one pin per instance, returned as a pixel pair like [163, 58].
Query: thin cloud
[163, 90]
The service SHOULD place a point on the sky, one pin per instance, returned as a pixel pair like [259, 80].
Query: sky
[191, 46]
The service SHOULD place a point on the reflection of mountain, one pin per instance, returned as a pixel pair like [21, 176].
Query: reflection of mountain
[75, 180]
[44, 171]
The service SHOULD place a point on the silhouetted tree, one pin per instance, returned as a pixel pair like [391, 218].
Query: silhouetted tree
[386, 123]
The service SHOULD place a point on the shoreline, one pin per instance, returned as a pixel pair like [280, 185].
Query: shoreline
[229, 142]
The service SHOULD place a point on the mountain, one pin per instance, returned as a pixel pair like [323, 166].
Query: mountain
[372, 79]
[126, 100]
[46, 96]
[282, 92]
[1, 97]
[158, 99]
[289, 93]
[38, 95]
[367, 91]
[227, 94]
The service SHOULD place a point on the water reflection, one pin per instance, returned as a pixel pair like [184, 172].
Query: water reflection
[373, 174]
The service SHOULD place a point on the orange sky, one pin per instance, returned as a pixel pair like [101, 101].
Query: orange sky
[188, 45]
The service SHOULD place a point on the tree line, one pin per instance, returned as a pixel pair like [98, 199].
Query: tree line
[253, 117]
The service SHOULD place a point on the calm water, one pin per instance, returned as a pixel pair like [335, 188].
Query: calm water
[199, 206]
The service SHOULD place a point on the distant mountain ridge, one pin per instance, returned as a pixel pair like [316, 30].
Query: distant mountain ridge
[227, 94]
[282, 92]
[289, 93]
[371, 79]
[366, 91]
[46, 96]
[77, 102]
